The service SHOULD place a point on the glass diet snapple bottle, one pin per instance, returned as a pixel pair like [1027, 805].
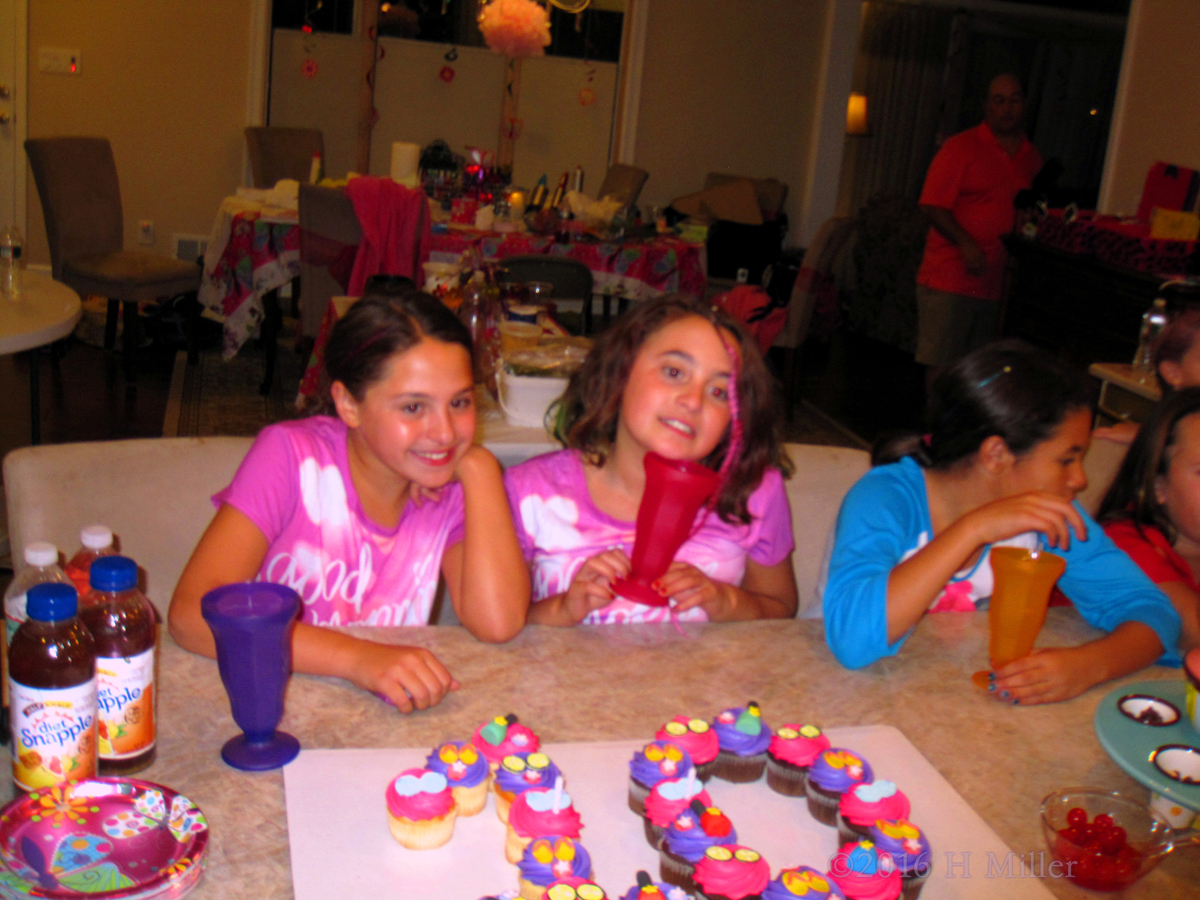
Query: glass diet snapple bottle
[123, 625]
[52, 691]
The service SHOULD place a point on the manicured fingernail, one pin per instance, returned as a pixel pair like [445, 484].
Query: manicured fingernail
[1004, 695]
[991, 686]
[991, 676]
[1016, 703]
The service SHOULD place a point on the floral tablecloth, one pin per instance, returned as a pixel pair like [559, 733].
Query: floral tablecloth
[636, 269]
[248, 255]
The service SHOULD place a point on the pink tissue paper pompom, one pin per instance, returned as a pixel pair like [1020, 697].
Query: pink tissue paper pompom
[516, 28]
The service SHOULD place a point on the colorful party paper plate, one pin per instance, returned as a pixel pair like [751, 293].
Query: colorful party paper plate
[105, 839]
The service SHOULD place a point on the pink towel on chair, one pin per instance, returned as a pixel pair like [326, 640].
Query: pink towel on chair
[395, 230]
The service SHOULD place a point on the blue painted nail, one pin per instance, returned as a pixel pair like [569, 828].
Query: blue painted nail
[991, 676]
[1004, 695]
[991, 687]
[1016, 703]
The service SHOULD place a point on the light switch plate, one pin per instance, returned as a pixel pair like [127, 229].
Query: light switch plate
[58, 61]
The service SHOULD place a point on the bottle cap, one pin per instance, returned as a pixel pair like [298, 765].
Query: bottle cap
[96, 537]
[40, 554]
[113, 573]
[51, 601]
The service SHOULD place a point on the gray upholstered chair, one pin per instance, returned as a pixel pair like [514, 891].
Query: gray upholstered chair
[77, 182]
[623, 183]
[329, 236]
[277, 153]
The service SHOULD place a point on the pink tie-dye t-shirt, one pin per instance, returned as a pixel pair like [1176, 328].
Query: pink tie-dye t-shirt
[295, 486]
[560, 528]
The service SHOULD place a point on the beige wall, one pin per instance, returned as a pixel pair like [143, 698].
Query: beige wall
[1158, 100]
[165, 82]
[729, 86]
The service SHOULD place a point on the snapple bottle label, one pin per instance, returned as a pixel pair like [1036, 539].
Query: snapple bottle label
[52, 692]
[125, 630]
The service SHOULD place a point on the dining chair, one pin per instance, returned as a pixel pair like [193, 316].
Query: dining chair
[572, 280]
[623, 183]
[329, 237]
[277, 153]
[77, 182]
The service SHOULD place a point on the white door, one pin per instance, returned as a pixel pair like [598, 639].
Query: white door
[12, 111]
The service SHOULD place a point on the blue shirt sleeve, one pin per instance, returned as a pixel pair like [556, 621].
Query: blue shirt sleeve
[1108, 589]
[879, 522]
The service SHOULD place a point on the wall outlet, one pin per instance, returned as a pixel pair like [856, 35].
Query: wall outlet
[58, 61]
[146, 233]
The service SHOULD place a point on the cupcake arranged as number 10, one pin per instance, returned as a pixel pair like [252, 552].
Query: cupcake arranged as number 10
[791, 752]
[518, 773]
[743, 739]
[465, 771]
[421, 809]
[501, 737]
[540, 812]
[697, 738]
[655, 762]
[834, 772]
[548, 860]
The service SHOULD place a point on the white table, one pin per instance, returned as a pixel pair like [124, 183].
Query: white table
[45, 311]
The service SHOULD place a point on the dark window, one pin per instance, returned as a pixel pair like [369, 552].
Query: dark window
[336, 16]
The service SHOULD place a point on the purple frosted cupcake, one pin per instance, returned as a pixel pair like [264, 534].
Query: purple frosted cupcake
[648, 889]
[466, 772]
[743, 738]
[833, 773]
[685, 840]
[650, 765]
[548, 859]
[518, 773]
[909, 849]
[802, 882]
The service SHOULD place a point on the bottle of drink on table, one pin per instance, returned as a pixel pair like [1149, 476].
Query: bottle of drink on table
[95, 541]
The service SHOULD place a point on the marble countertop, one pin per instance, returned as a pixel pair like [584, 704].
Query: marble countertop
[618, 682]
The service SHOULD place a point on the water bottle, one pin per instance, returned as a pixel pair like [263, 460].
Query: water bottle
[1154, 320]
[95, 541]
[41, 565]
[12, 261]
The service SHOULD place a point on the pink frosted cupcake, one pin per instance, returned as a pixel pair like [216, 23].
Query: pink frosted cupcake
[668, 799]
[501, 737]
[864, 872]
[421, 809]
[732, 873]
[791, 752]
[864, 804]
[540, 812]
[697, 738]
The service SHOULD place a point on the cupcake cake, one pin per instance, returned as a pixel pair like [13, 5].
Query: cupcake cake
[650, 765]
[803, 882]
[697, 738]
[832, 773]
[547, 860]
[502, 737]
[420, 809]
[732, 873]
[909, 849]
[575, 889]
[864, 872]
[686, 840]
[790, 753]
[743, 739]
[518, 773]
[668, 799]
[864, 804]
[503, 895]
[648, 889]
[540, 812]
[466, 772]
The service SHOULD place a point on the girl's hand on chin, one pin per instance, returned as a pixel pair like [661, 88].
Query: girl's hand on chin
[688, 587]
[1045, 676]
[410, 677]
[1040, 511]
[591, 588]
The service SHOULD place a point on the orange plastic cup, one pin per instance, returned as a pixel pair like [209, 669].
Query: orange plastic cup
[1020, 596]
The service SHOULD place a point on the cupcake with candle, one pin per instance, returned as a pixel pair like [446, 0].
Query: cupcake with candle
[540, 812]
[518, 773]
[648, 889]
[909, 849]
[732, 873]
[668, 799]
[547, 860]
[575, 889]
[466, 772]
[686, 840]
[802, 882]
[502, 737]
[864, 804]
[420, 809]
[650, 765]
[864, 872]
[697, 738]
[743, 739]
[832, 773]
[791, 751]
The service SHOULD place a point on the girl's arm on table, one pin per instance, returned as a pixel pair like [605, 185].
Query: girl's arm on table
[486, 573]
[766, 592]
[232, 549]
[1187, 604]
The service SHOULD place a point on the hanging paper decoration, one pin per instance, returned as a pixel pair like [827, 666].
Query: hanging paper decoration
[309, 68]
[446, 74]
[587, 97]
[512, 127]
[516, 28]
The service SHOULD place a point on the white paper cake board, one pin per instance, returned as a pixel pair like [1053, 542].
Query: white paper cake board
[341, 848]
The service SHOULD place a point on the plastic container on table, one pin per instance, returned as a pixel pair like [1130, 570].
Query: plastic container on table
[122, 622]
[95, 541]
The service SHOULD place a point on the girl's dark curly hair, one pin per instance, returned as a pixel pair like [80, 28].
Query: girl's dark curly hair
[585, 418]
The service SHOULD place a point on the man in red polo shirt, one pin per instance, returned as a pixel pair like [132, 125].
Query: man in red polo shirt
[968, 196]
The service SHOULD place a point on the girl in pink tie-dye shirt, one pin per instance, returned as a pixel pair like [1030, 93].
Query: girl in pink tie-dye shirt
[660, 379]
[361, 512]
